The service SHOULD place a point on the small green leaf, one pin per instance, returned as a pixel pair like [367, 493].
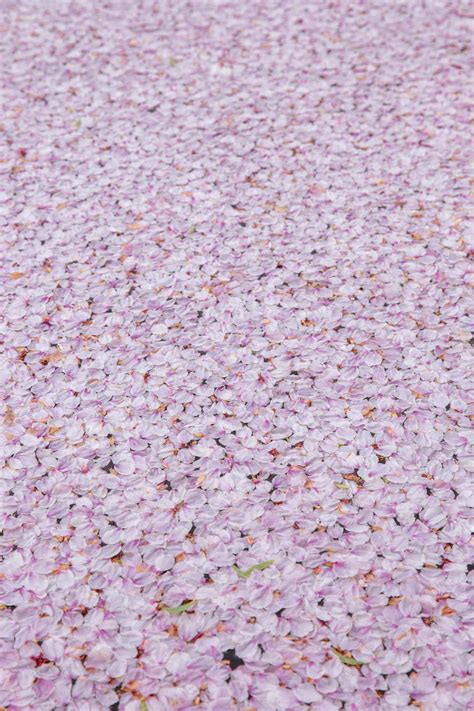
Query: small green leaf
[262, 566]
[179, 608]
[143, 706]
[350, 661]
[341, 486]
[258, 566]
[78, 123]
[173, 62]
[239, 572]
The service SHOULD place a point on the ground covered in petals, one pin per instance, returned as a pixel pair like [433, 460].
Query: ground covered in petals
[236, 355]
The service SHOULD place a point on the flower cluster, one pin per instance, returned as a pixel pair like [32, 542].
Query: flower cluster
[235, 356]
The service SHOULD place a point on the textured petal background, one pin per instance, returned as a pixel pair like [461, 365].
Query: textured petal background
[236, 355]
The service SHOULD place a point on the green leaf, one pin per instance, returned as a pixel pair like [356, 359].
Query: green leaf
[143, 706]
[247, 573]
[78, 123]
[239, 572]
[341, 486]
[173, 62]
[350, 661]
[262, 566]
[179, 608]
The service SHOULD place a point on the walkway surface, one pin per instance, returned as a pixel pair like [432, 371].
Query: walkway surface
[236, 355]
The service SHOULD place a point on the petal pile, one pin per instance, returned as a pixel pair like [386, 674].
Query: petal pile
[236, 355]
